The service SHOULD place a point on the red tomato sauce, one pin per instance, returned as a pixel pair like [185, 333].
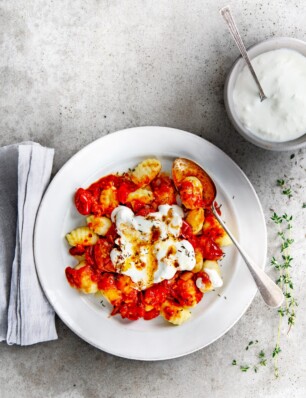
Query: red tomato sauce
[164, 190]
[124, 189]
[209, 249]
[127, 301]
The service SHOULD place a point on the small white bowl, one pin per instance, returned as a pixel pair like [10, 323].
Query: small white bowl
[257, 49]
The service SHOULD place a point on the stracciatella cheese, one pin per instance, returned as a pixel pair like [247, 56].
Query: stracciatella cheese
[282, 116]
[149, 249]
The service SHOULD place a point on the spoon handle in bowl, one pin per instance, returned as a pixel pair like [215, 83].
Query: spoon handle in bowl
[227, 16]
[270, 292]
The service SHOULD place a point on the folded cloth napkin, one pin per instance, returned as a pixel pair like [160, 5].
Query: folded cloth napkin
[26, 316]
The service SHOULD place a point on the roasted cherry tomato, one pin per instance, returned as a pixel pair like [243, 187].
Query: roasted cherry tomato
[83, 201]
[186, 233]
[148, 315]
[105, 182]
[77, 250]
[155, 295]
[209, 249]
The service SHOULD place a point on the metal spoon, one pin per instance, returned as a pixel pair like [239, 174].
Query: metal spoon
[182, 168]
[227, 16]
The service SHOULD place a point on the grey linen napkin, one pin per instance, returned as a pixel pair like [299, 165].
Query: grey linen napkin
[26, 317]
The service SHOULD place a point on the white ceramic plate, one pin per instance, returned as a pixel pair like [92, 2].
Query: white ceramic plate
[156, 339]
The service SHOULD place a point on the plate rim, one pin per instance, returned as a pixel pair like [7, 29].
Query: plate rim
[86, 148]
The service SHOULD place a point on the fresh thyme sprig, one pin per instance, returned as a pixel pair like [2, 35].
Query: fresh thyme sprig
[286, 189]
[284, 280]
[282, 264]
[250, 344]
[262, 360]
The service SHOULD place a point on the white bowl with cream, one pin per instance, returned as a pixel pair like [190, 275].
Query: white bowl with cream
[279, 122]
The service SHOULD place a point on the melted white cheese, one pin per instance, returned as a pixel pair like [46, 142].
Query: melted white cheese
[149, 248]
[214, 277]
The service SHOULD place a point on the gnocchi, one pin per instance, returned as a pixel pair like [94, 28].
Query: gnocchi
[109, 200]
[82, 277]
[143, 196]
[213, 229]
[191, 192]
[174, 313]
[199, 261]
[195, 219]
[145, 172]
[100, 225]
[82, 236]
[183, 168]
[166, 233]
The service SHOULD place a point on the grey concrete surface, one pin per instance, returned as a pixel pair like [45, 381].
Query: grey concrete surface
[73, 71]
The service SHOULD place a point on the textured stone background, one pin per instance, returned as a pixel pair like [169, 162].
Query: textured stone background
[73, 71]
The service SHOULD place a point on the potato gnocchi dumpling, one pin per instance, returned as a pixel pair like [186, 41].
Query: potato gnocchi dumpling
[113, 295]
[82, 236]
[213, 229]
[199, 261]
[82, 278]
[142, 195]
[109, 199]
[186, 292]
[100, 225]
[118, 290]
[183, 168]
[174, 313]
[195, 219]
[191, 192]
[214, 265]
[145, 172]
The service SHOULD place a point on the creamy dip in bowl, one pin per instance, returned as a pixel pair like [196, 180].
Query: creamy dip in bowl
[279, 122]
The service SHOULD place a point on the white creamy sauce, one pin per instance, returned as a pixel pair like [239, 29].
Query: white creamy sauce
[215, 279]
[146, 258]
[282, 116]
